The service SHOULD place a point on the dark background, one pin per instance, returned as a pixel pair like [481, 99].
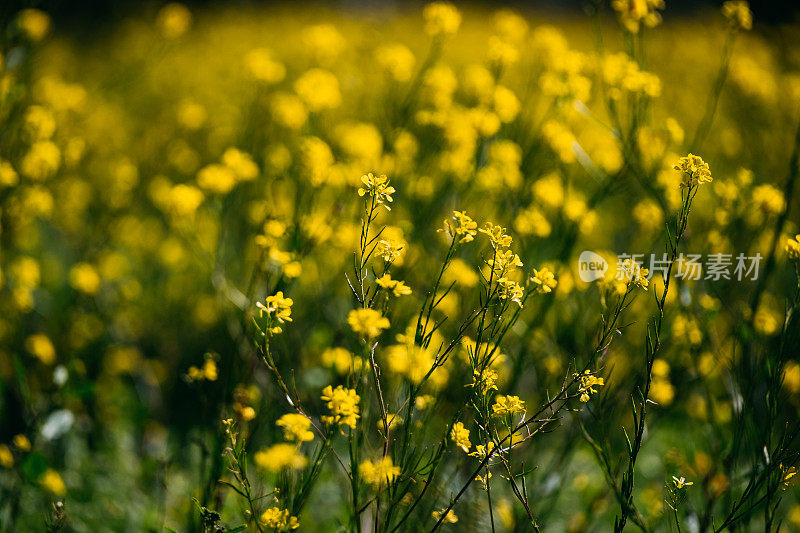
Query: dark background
[94, 15]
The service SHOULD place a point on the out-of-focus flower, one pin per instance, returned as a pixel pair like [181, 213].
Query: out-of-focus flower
[441, 18]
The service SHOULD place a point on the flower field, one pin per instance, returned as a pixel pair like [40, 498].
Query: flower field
[400, 268]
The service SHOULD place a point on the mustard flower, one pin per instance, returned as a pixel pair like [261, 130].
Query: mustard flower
[497, 234]
[504, 262]
[276, 518]
[681, 482]
[441, 18]
[449, 518]
[510, 290]
[738, 14]
[378, 187]
[544, 280]
[367, 322]
[397, 287]
[793, 248]
[318, 89]
[462, 228]
[389, 250]
[342, 404]
[508, 405]
[633, 13]
[295, 427]
[631, 273]
[694, 169]
[379, 471]
[485, 381]
[460, 435]
[281, 456]
[277, 308]
[587, 384]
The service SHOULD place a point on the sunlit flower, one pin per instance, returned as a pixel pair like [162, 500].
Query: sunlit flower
[460, 436]
[378, 472]
[377, 187]
[342, 403]
[694, 169]
[544, 280]
[587, 383]
[367, 322]
[277, 518]
[508, 406]
[295, 427]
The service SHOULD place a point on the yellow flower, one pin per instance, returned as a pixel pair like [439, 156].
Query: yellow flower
[464, 228]
[587, 382]
[6, 457]
[632, 273]
[342, 404]
[449, 518]
[497, 234]
[174, 20]
[263, 67]
[340, 359]
[295, 427]
[460, 435]
[544, 280]
[441, 18]
[84, 278]
[510, 290]
[508, 405]
[280, 457]
[241, 163]
[397, 60]
[184, 199]
[34, 23]
[51, 480]
[793, 248]
[367, 322]
[389, 250]
[633, 13]
[276, 307]
[694, 169]
[39, 345]
[378, 187]
[738, 14]
[22, 443]
[681, 482]
[504, 262]
[397, 287]
[208, 371]
[318, 89]
[382, 470]
[276, 518]
[216, 178]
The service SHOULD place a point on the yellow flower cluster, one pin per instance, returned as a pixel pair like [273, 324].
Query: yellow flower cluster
[343, 406]
[793, 248]
[368, 323]
[378, 472]
[738, 14]
[278, 309]
[441, 18]
[235, 167]
[208, 372]
[587, 383]
[508, 406]
[463, 228]
[277, 518]
[296, 427]
[694, 170]
[281, 456]
[397, 287]
[634, 13]
[544, 280]
[460, 436]
[378, 187]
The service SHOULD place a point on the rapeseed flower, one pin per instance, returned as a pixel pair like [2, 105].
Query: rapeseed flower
[342, 403]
